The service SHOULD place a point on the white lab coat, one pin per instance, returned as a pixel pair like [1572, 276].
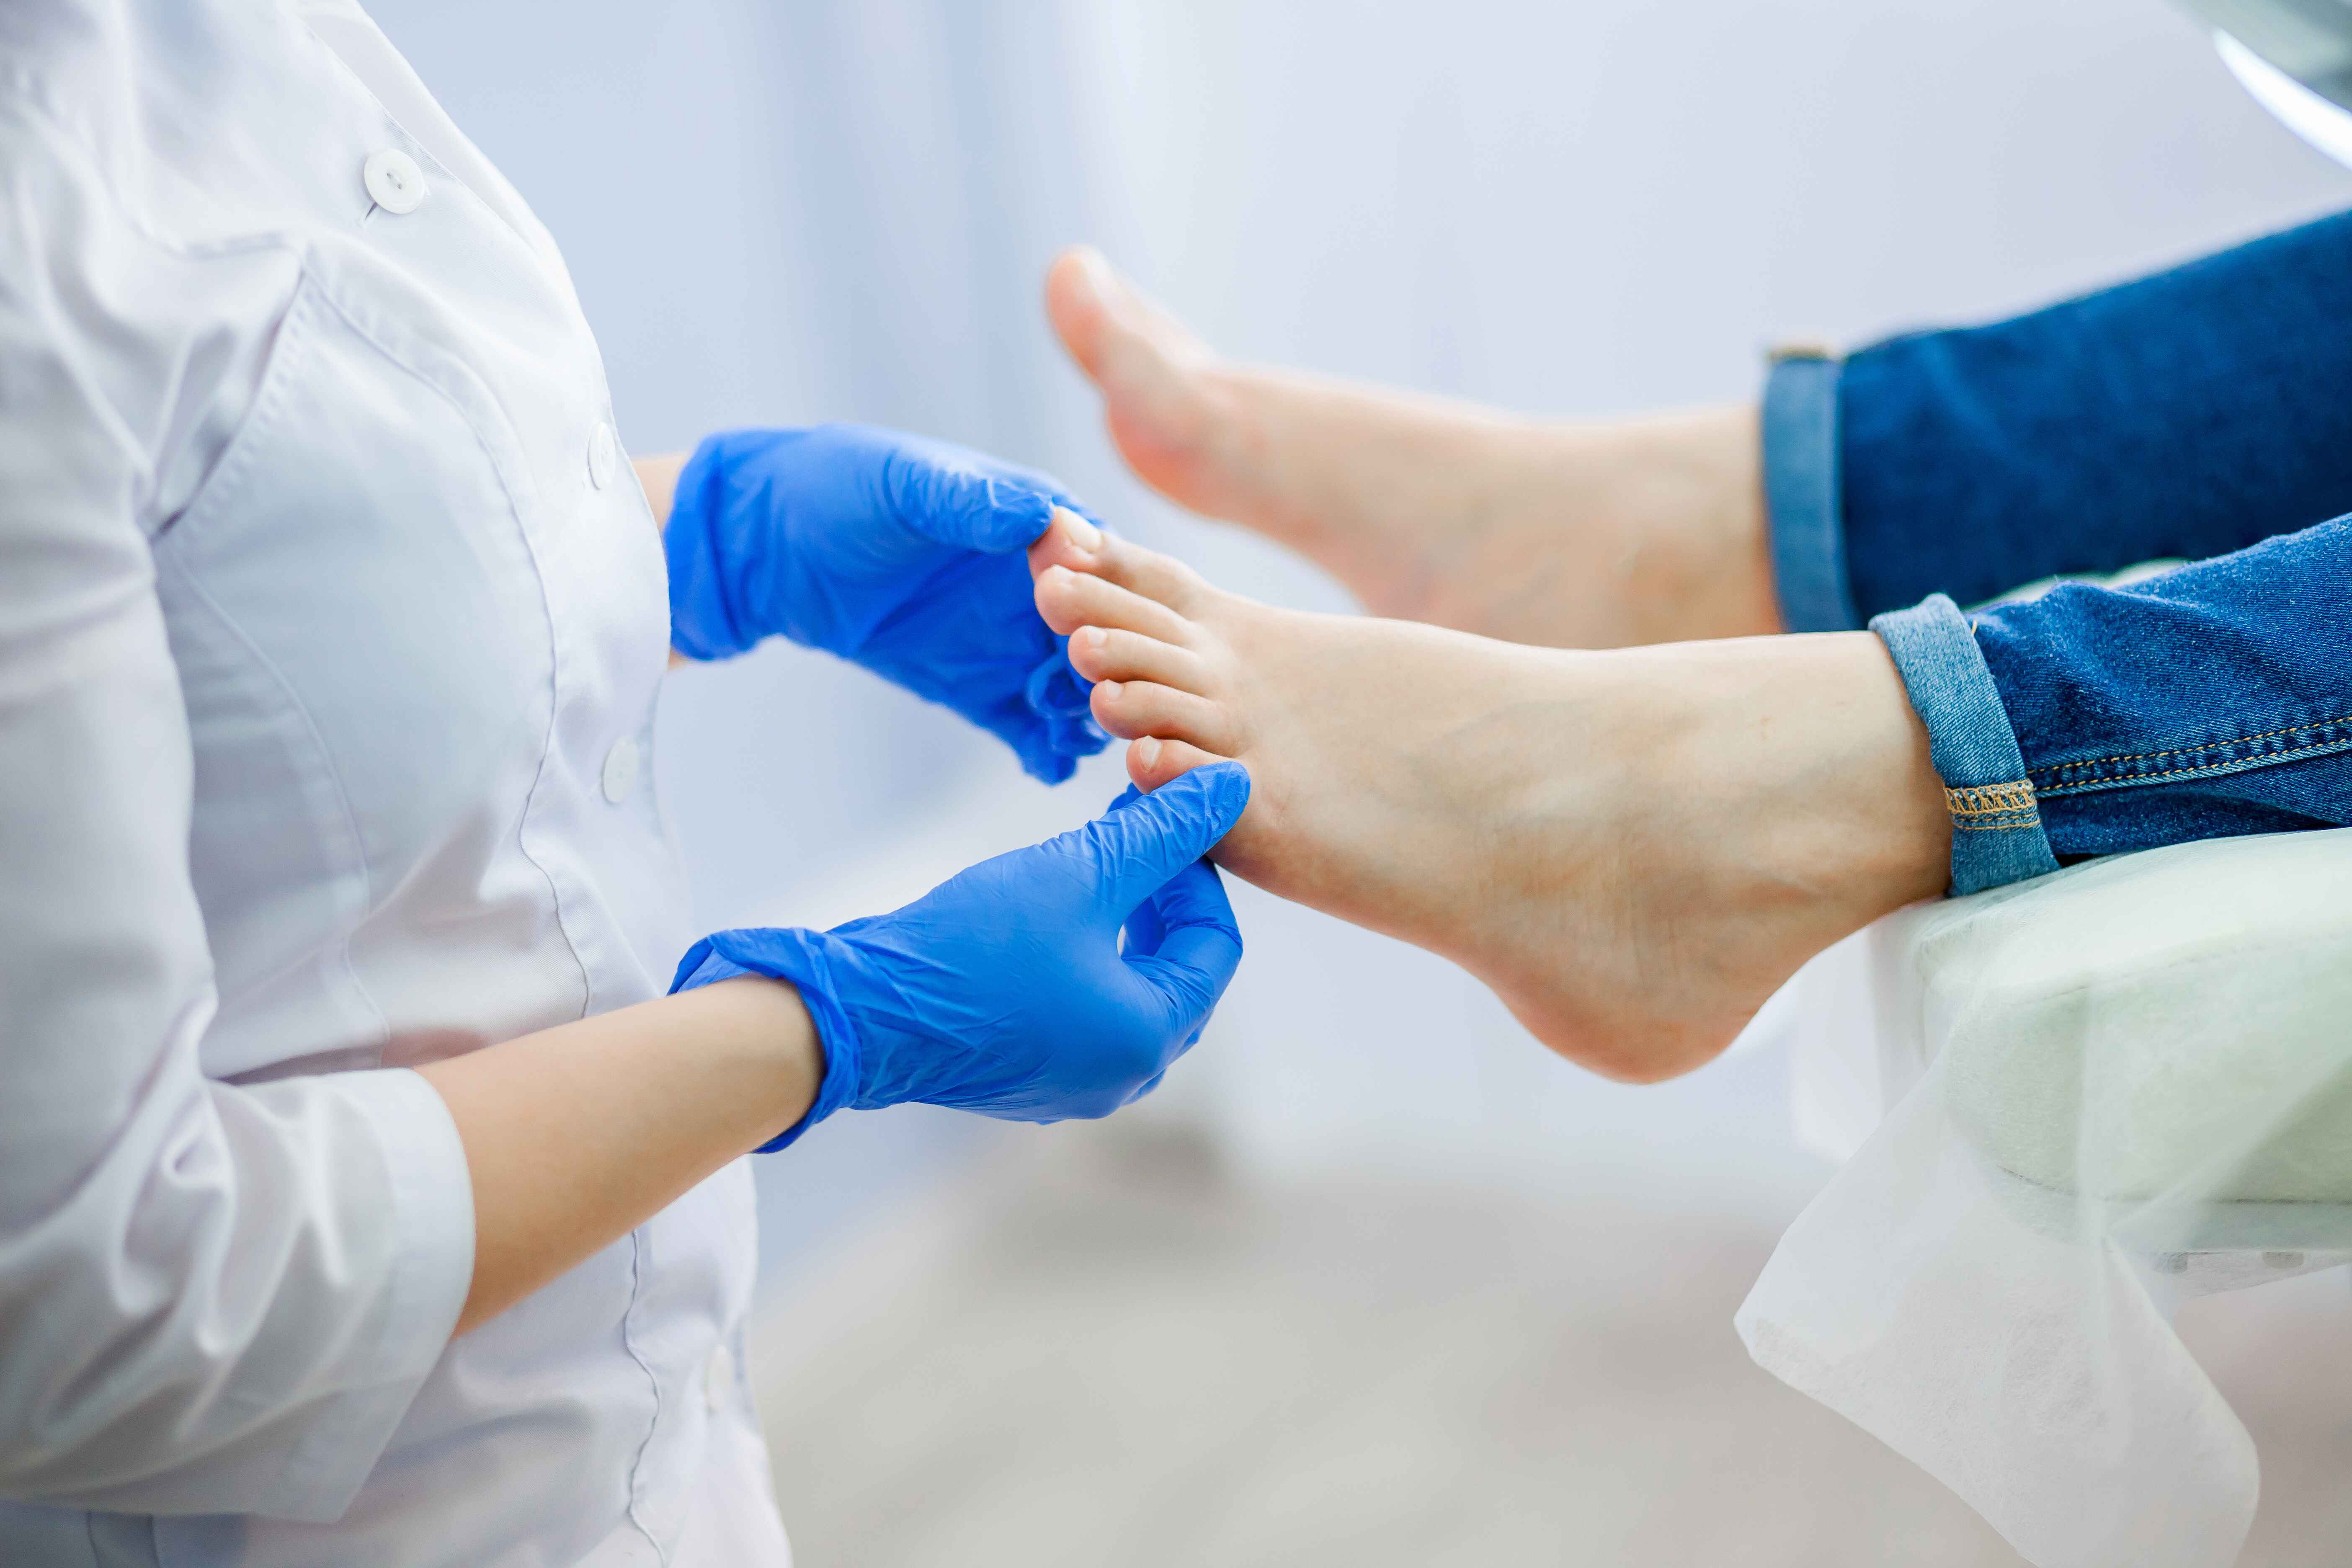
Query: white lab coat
[332, 622]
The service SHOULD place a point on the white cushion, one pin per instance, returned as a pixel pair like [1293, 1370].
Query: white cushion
[2175, 1025]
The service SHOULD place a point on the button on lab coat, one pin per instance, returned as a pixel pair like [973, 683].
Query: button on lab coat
[328, 646]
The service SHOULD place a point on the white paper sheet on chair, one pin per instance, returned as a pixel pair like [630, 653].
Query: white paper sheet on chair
[2103, 1093]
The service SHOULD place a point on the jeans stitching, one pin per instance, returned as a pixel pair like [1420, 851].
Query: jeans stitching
[2183, 751]
[2225, 766]
[2006, 807]
[2014, 797]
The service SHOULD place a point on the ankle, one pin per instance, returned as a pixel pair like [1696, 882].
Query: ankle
[1675, 503]
[1826, 809]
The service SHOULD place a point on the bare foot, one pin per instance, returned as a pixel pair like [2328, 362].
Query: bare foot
[1635, 850]
[1563, 534]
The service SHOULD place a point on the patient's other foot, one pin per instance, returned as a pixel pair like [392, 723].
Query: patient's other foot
[1564, 534]
[1634, 848]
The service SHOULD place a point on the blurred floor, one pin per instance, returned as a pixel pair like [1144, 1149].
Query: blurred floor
[1100, 1351]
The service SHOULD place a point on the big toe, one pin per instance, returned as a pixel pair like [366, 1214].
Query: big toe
[1070, 542]
[1143, 360]
[1077, 301]
[1069, 600]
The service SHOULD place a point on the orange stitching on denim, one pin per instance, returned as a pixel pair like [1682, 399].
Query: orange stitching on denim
[2180, 750]
[2011, 799]
[2314, 749]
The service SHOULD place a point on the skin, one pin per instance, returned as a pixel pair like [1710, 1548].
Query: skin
[576, 1136]
[1633, 849]
[658, 475]
[1552, 532]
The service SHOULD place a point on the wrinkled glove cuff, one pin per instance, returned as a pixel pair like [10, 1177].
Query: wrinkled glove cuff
[798, 957]
[705, 622]
[1061, 703]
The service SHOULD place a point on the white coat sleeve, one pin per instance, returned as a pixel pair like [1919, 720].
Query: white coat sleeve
[213, 1299]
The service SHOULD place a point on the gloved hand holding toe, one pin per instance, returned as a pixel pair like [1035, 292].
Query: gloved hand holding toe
[898, 554]
[1006, 990]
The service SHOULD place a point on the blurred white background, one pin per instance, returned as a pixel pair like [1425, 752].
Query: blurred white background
[781, 211]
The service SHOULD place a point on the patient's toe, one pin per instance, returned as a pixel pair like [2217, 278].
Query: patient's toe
[1152, 761]
[1101, 653]
[1149, 573]
[1069, 541]
[1137, 353]
[1072, 543]
[1133, 709]
[1068, 600]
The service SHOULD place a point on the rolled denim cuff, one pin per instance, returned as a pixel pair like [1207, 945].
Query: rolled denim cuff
[1801, 492]
[1997, 834]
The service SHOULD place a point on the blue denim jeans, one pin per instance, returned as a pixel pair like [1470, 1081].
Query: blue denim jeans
[2204, 415]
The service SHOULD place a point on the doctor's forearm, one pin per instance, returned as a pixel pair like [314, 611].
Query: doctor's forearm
[658, 475]
[575, 1135]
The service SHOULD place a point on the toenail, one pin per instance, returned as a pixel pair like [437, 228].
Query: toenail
[1146, 751]
[1093, 637]
[1096, 267]
[1110, 690]
[1084, 534]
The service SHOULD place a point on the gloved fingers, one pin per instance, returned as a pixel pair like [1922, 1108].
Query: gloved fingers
[1200, 945]
[1193, 897]
[1136, 850]
[1146, 1087]
[1062, 704]
[949, 455]
[1144, 931]
[1144, 928]
[1192, 900]
[1042, 760]
[961, 498]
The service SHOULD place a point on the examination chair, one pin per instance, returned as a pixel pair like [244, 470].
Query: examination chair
[2170, 1028]
[2065, 1105]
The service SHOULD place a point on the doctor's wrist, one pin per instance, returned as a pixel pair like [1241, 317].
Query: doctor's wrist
[785, 1056]
[821, 1040]
[576, 1134]
[657, 476]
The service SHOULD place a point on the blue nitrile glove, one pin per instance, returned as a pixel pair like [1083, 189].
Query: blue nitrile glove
[901, 554]
[1004, 990]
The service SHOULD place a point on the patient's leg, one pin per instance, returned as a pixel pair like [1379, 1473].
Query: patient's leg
[1633, 849]
[1565, 534]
